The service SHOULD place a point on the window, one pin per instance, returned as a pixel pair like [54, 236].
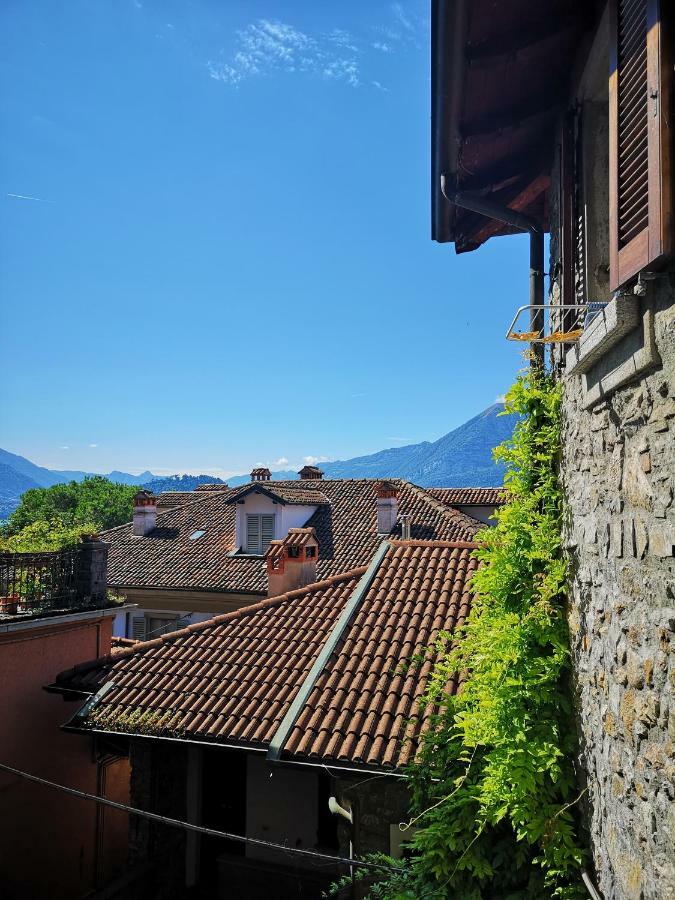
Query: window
[639, 170]
[259, 533]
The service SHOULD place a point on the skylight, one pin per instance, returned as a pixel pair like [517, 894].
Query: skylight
[196, 534]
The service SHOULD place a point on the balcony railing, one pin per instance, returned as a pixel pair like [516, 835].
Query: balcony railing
[33, 584]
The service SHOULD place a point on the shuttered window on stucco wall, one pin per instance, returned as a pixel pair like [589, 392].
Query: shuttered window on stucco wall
[640, 193]
[259, 532]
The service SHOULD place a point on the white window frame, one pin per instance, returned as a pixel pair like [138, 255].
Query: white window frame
[260, 548]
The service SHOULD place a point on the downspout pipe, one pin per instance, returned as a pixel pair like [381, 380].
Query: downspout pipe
[505, 214]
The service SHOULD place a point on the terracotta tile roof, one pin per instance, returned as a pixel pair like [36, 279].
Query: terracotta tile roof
[346, 528]
[473, 496]
[206, 488]
[283, 492]
[232, 679]
[171, 499]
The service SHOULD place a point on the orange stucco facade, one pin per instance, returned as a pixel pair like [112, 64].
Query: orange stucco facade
[53, 845]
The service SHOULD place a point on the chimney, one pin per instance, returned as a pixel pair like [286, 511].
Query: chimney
[291, 562]
[309, 473]
[386, 494]
[261, 474]
[145, 513]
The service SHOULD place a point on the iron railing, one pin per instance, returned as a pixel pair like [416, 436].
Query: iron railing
[46, 583]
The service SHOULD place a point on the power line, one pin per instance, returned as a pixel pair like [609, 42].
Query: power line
[188, 826]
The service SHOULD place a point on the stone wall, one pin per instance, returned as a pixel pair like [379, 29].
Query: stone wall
[618, 473]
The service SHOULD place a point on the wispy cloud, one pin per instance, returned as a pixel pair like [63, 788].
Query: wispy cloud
[282, 461]
[313, 460]
[93, 445]
[26, 197]
[268, 46]
[500, 399]
[64, 447]
[404, 27]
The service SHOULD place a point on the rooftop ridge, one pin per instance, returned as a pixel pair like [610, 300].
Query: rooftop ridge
[446, 545]
[242, 612]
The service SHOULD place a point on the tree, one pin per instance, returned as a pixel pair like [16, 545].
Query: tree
[42, 536]
[93, 502]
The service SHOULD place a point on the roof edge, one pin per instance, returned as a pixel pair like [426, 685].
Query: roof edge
[241, 613]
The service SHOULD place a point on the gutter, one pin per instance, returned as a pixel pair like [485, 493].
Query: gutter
[331, 767]
[281, 735]
[448, 28]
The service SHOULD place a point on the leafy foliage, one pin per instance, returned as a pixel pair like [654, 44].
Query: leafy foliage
[493, 785]
[44, 536]
[94, 502]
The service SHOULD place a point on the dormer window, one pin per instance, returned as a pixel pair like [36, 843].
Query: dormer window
[259, 532]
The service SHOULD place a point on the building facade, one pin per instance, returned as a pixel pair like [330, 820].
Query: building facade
[559, 117]
[54, 613]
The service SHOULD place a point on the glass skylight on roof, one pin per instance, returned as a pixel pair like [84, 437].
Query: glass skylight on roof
[196, 534]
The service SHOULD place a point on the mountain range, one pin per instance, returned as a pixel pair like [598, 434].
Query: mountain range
[461, 458]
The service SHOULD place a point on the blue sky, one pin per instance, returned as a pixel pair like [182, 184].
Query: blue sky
[227, 260]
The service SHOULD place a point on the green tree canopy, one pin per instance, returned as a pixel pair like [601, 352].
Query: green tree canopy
[93, 502]
[40, 536]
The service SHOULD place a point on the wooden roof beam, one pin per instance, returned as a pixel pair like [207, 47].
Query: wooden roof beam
[510, 119]
[504, 48]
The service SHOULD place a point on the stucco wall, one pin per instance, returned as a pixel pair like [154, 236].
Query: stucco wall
[48, 841]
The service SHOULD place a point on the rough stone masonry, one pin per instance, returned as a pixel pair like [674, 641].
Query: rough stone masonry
[618, 465]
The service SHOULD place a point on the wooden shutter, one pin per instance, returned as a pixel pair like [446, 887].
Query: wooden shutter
[267, 532]
[640, 134]
[253, 534]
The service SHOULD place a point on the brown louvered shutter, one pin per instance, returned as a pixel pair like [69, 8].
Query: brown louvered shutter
[640, 137]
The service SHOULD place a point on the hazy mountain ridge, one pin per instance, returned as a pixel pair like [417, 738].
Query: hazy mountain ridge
[180, 483]
[18, 474]
[461, 458]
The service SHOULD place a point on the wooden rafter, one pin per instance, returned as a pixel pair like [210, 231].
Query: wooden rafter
[522, 200]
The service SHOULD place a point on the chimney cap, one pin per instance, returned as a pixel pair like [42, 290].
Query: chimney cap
[296, 537]
[144, 498]
[310, 472]
[261, 473]
[384, 489]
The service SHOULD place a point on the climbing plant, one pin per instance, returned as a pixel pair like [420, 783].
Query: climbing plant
[493, 784]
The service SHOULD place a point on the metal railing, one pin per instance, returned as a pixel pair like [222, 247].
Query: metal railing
[46, 583]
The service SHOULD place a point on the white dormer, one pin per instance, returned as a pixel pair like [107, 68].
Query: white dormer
[264, 515]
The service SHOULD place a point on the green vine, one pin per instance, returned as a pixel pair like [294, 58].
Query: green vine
[493, 785]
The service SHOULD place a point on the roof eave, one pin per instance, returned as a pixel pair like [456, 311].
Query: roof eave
[448, 39]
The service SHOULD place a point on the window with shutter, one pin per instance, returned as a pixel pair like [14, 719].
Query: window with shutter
[259, 533]
[640, 186]
[138, 628]
[253, 534]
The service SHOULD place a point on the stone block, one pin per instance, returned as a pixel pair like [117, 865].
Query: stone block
[640, 538]
[616, 538]
[635, 671]
[636, 486]
[661, 540]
